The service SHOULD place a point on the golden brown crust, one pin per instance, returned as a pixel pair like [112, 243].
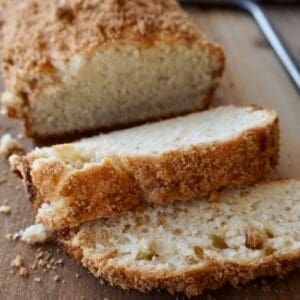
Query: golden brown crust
[191, 281]
[99, 191]
[105, 189]
[187, 174]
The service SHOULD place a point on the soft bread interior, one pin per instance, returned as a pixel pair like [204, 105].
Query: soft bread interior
[106, 90]
[214, 126]
[245, 226]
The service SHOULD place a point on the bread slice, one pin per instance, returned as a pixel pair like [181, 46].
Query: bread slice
[179, 159]
[87, 65]
[195, 245]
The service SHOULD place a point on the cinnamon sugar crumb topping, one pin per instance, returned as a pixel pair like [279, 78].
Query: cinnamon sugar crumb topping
[38, 32]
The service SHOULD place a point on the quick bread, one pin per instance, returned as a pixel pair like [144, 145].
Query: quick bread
[79, 65]
[176, 159]
[195, 245]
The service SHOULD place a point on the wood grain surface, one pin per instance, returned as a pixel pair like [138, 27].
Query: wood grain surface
[253, 75]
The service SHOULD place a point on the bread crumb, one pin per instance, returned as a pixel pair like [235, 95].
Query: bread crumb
[9, 145]
[37, 279]
[4, 209]
[36, 234]
[59, 261]
[23, 271]
[9, 236]
[56, 278]
[77, 275]
[17, 262]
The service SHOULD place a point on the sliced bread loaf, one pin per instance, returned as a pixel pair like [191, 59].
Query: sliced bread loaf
[195, 245]
[74, 65]
[175, 159]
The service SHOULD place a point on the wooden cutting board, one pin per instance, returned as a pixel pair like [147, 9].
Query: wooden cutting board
[253, 75]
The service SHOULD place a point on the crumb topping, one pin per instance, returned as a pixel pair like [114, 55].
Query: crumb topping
[36, 32]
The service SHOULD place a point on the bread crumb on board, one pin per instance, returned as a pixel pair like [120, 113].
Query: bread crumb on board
[18, 264]
[5, 209]
[33, 234]
[36, 234]
[9, 236]
[23, 271]
[9, 146]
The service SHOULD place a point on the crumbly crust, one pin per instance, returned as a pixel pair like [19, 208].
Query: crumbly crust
[101, 191]
[192, 282]
[183, 175]
[59, 31]
[104, 190]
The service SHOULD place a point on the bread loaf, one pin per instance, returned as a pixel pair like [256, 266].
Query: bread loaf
[76, 66]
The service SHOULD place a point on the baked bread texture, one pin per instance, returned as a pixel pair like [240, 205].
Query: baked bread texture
[195, 245]
[176, 159]
[88, 65]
